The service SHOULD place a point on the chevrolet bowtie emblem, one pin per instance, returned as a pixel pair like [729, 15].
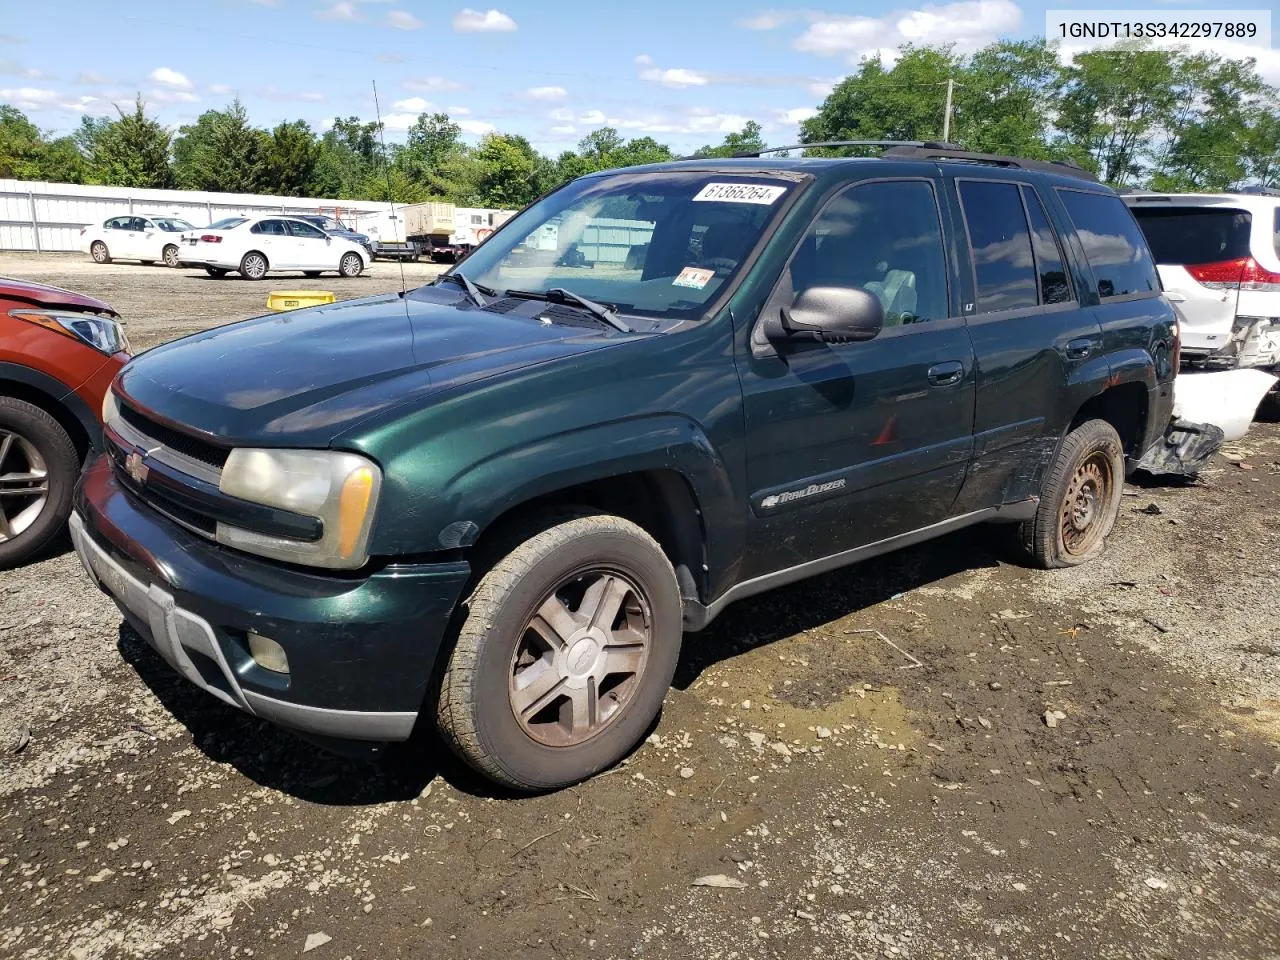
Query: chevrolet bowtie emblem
[136, 467]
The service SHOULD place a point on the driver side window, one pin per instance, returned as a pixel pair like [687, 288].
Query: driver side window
[885, 237]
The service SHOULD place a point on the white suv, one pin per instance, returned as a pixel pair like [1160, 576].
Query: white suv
[1219, 260]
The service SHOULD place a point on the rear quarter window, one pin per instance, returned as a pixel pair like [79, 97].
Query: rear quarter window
[1113, 244]
[1187, 236]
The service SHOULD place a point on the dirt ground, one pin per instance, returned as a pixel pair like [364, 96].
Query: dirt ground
[937, 754]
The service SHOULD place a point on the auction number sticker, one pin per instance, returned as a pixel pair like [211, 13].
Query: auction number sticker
[695, 277]
[740, 193]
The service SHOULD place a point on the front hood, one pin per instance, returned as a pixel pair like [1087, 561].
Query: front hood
[47, 296]
[303, 377]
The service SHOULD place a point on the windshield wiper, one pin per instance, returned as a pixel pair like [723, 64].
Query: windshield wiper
[464, 281]
[561, 295]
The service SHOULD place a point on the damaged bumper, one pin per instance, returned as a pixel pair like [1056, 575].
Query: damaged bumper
[1184, 450]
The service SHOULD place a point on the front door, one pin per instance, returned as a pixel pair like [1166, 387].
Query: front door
[313, 249]
[848, 444]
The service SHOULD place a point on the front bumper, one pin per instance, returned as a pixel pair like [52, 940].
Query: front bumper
[361, 650]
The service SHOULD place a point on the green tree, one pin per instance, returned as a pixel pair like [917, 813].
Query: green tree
[133, 151]
[289, 159]
[1005, 97]
[220, 151]
[749, 139]
[349, 154]
[508, 164]
[20, 143]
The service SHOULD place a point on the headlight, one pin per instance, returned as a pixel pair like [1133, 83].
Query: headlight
[110, 409]
[102, 333]
[340, 489]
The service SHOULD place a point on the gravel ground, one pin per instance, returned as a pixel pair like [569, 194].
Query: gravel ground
[936, 754]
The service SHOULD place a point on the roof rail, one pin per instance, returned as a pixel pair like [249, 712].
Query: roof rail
[747, 154]
[929, 151]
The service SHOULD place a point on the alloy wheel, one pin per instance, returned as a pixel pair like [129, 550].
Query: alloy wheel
[580, 657]
[24, 484]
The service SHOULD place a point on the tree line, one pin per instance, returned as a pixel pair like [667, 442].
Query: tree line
[1170, 120]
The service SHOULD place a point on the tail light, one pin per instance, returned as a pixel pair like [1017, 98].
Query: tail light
[1223, 275]
[210, 238]
[1258, 277]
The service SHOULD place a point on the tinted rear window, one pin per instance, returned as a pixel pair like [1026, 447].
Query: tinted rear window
[1002, 261]
[1201, 235]
[1113, 244]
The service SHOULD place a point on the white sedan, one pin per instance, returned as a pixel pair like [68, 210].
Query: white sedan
[256, 246]
[147, 238]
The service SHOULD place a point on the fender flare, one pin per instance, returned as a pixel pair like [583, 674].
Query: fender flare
[59, 395]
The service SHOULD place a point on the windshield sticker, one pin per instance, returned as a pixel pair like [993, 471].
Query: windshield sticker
[740, 193]
[694, 277]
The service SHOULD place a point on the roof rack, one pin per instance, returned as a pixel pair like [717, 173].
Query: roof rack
[748, 154]
[930, 151]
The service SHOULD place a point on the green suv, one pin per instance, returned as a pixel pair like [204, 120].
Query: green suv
[502, 500]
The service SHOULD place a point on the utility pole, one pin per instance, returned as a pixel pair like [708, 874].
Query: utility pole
[946, 119]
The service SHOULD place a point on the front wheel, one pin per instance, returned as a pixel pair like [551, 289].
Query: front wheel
[98, 250]
[38, 470]
[1080, 500]
[351, 265]
[567, 650]
[253, 266]
[171, 256]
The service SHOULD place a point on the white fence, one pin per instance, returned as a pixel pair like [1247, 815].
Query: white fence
[40, 216]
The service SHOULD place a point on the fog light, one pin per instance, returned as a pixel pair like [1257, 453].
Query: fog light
[268, 654]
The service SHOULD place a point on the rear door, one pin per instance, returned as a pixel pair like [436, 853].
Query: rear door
[1035, 342]
[1201, 252]
[272, 238]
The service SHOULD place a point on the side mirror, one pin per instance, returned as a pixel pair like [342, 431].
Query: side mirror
[834, 314]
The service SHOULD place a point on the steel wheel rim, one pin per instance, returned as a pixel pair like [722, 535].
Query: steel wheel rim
[1085, 504]
[580, 658]
[24, 485]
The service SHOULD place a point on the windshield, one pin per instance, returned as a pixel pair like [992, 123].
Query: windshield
[661, 244]
[170, 225]
[227, 224]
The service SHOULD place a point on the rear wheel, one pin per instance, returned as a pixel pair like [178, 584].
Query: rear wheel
[567, 650]
[98, 250]
[216, 272]
[350, 265]
[253, 266]
[171, 255]
[1080, 500]
[38, 469]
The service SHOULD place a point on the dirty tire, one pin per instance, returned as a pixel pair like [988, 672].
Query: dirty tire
[1080, 499]
[350, 265]
[253, 265]
[170, 254]
[217, 272]
[475, 710]
[98, 250]
[29, 423]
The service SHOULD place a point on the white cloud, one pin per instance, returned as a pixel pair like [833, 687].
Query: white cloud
[166, 95]
[822, 88]
[797, 115]
[342, 10]
[561, 114]
[170, 78]
[92, 78]
[403, 20]
[564, 129]
[674, 77]
[12, 68]
[431, 84]
[544, 93]
[491, 21]
[477, 127]
[698, 121]
[413, 105]
[36, 98]
[767, 20]
[457, 111]
[220, 89]
[399, 121]
[644, 59]
[593, 118]
[968, 24]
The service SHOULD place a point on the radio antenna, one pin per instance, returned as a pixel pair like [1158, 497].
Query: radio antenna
[386, 169]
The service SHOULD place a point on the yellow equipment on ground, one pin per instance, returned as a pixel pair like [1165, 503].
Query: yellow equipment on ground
[294, 299]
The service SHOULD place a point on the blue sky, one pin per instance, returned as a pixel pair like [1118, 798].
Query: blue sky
[553, 70]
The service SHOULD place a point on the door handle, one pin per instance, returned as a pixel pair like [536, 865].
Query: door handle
[946, 373]
[1079, 349]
